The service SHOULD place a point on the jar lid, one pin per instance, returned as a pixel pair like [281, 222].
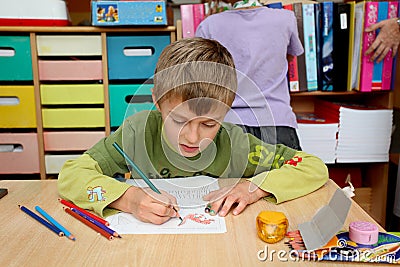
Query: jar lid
[365, 233]
[272, 217]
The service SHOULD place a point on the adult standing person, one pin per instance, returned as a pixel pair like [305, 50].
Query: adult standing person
[261, 41]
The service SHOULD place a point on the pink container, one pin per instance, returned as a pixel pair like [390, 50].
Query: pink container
[364, 233]
[19, 153]
[67, 141]
[68, 70]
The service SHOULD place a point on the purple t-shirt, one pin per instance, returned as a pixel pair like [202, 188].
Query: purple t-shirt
[259, 40]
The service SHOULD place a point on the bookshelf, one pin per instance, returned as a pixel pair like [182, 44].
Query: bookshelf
[374, 175]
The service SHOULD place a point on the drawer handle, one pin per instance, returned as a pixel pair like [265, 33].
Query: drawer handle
[11, 148]
[138, 51]
[131, 99]
[7, 52]
[9, 101]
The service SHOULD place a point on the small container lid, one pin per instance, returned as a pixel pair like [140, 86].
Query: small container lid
[364, 233]
[272, 217]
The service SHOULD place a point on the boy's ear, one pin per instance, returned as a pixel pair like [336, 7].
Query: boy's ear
[154, 100]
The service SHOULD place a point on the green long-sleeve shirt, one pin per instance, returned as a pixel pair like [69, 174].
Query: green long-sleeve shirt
[285, 173]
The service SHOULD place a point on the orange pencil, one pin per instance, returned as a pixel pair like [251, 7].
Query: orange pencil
[71, 205]
[88, 223]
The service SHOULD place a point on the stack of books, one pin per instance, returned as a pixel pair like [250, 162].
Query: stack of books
[364, 135]
[364, 131]
[317, 136]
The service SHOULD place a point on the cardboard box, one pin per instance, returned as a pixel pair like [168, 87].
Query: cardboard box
[124, 13]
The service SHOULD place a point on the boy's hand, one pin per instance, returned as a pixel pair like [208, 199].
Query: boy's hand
[146, 205]
[240, 195]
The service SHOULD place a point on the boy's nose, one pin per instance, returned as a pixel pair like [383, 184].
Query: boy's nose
[192, 132]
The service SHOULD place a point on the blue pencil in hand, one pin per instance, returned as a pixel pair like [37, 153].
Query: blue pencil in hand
[41, 220]
[139, 171]
[55, 223]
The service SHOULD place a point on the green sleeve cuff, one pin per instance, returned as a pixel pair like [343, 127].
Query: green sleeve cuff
[301, 175]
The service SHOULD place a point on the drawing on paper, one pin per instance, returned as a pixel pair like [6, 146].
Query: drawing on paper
[196, 217]
[189, 194]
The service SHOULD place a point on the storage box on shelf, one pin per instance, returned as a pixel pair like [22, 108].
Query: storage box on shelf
[19, 153]
[15, 53]
[127, 99]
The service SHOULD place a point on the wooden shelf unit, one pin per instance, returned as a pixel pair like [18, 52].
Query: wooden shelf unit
[376, 174]
[103, 32]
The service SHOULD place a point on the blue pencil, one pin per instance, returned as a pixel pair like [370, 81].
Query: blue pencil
[139, 171]
[41, 220]
[99, 224]
[55, 223]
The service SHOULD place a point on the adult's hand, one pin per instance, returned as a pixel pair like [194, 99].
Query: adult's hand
[387, 40]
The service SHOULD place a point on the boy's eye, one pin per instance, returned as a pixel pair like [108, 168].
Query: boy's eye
[178, 122]
[212, 124]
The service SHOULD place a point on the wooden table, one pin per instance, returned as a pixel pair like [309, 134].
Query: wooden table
[27, 243]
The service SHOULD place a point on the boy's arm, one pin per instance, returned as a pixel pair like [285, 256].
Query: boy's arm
[301, 175]
[82, 181]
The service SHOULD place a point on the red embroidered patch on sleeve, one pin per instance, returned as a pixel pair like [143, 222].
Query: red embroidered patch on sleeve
[293, 161]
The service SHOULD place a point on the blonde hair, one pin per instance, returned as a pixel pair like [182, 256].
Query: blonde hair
[196, 68]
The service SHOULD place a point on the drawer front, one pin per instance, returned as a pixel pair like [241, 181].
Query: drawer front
[19, 153]
[126, 100]
[71, 141]
[17, 107]
[59, 94]
[68, 70]
[54, 163]
[73, 117]
[134, 57]
[69, 45]
[15, 53]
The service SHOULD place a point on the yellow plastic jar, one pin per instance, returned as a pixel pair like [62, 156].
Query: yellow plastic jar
[271, 226]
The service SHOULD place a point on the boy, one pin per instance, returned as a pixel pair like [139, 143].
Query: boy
[194, 87]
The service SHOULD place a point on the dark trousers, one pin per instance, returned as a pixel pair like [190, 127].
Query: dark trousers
[275, 135]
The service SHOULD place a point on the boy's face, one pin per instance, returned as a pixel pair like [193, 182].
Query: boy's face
[188, 133]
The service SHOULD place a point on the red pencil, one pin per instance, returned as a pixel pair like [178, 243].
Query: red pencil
[88, 223]
[71, 205]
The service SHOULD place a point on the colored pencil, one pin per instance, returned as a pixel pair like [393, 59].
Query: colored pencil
[141, 174]
[88, 223]
[41, 220]
[71, 205]
[102, 226]
[55, 223]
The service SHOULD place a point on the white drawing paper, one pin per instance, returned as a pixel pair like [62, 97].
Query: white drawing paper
[189, 193]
